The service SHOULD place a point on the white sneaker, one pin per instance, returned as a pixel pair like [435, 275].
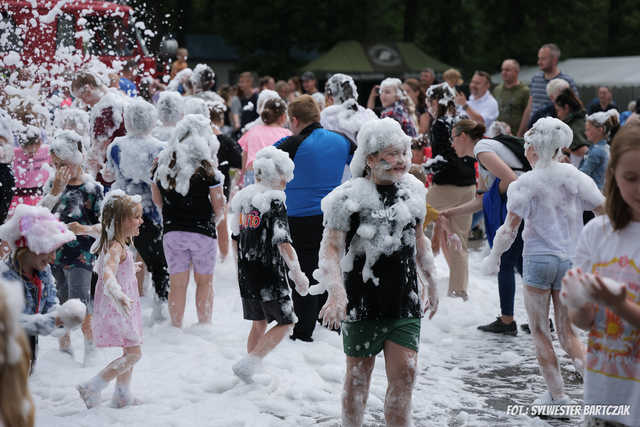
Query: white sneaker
[546, 399]
[246, 367]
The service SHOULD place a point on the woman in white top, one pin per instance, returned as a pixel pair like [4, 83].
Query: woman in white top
[497, 162]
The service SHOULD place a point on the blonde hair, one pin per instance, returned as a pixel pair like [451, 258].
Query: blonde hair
[16, 405]
[115, 210]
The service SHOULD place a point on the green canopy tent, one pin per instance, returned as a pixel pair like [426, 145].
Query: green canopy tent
[373, 61]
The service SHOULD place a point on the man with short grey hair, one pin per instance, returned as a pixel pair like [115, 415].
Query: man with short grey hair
[548, 58]
[554, 88]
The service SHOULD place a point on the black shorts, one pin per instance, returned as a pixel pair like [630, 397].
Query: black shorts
[279, 310]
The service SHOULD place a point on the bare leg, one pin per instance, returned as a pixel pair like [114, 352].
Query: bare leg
[356, 389]
[223, 236]
[269, 340]
[86, 328]
[258, 329]
[64, 343]
[122, 365]
[140, 275]
[204, 296]
[536, 301]
[177, 297]
[567, 336]
[401, 364]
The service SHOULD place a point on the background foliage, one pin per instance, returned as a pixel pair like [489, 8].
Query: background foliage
[470, 34]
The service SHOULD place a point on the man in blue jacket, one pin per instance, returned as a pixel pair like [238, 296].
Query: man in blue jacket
[319, 156]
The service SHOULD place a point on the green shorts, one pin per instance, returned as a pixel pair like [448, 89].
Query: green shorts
[365, 338]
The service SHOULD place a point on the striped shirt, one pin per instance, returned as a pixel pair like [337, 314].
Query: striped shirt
[538, 90]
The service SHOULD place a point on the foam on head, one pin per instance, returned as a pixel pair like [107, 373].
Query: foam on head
[265, 96]
[601, 117]
[193, 105]
[341, 87]
[442, 92]
[273, 165]
[66, 145]
[140, 117]
[374, 136]
[394, 83]
[170, 107]
[548, 137]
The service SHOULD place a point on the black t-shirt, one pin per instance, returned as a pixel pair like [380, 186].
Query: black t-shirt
[247, 115]
[262, 273]
[396, 295]
[7, 184]
[458, 171]
[193, 212]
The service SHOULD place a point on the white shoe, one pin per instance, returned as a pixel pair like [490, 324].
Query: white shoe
[546, 399]
[246, 367]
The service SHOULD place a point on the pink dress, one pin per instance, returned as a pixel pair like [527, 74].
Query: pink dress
[110, 328]
[31, 173]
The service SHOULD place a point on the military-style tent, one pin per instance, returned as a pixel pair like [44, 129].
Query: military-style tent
[373, 61]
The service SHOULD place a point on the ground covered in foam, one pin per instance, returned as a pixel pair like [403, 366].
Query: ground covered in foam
[466, 377]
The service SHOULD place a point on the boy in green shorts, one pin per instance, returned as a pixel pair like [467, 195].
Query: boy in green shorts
[372, 248]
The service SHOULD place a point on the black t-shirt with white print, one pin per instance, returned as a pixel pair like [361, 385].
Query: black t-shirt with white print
[192, 212]
[262, 273]
[396, 294]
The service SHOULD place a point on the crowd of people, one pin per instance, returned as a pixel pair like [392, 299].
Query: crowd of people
[331, 210]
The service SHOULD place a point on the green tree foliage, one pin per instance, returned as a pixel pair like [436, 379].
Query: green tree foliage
[274, 37]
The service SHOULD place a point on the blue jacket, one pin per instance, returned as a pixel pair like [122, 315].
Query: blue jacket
[31, 319]
[595, 162]
[320, 157]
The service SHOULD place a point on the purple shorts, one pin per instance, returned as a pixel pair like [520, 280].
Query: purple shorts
[182, 248]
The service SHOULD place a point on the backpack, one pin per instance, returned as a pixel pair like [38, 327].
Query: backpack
[516, 146]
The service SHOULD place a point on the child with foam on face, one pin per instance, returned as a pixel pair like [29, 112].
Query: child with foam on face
[603, 291]
[372, 250]
[34, 235]
[130, 159]
[263, 251]
[117, 320]
[550, 199]
[77, 198]
[170, 108]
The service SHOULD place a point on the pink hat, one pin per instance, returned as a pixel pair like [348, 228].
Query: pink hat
[35, 228]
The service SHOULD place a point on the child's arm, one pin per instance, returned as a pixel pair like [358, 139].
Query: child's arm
[85, 230]
[156, 196]
[58, 184]
[295, 273]
[112, 288]
[424, 261]
[603, 290]
[217, 199]
[503, 240]
[329, 277]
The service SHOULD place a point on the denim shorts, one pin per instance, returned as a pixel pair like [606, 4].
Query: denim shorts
[545, 271]
[182, 248]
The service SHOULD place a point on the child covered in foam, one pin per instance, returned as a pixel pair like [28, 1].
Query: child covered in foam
[372, 249]
[263, 250]
[550, 199]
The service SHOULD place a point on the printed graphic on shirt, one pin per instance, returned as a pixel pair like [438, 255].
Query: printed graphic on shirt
[614, 345]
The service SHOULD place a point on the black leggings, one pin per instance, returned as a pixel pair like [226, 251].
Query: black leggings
[149, 245]
[306, 233]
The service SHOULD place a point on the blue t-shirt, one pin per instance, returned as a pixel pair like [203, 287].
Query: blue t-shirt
[320, 157]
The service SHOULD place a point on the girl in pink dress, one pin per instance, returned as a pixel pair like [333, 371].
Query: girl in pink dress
[30, 168]
[117, 320]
